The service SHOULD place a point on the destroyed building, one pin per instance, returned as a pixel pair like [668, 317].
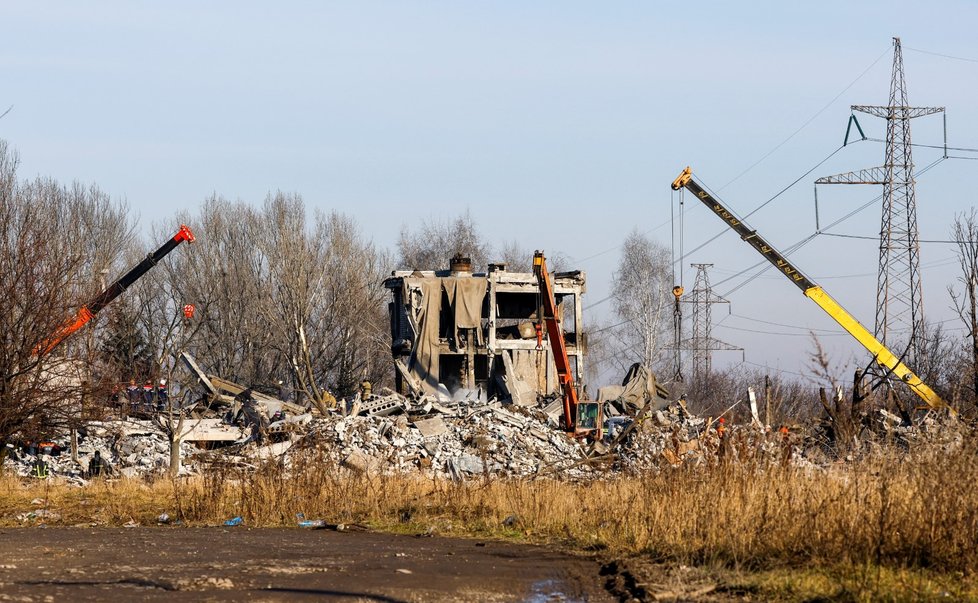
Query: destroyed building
[459, 333]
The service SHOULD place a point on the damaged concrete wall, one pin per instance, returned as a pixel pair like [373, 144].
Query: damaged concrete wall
[457, 331]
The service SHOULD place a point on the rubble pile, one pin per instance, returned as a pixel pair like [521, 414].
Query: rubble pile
[469, 438]
[127, 449]
[390, 433]
[462, 438]
[671, 435]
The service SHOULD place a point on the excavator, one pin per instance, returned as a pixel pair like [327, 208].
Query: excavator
[582, 418]
[886, 359]
[87, 312]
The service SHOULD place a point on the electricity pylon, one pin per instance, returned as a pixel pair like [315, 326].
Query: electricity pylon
[703, 343]
[899, 301]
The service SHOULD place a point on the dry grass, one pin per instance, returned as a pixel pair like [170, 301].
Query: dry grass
[892, 512]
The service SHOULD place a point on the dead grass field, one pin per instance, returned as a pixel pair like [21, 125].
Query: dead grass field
[894, 525]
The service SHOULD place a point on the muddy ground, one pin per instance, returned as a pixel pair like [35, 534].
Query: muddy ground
[241, 564]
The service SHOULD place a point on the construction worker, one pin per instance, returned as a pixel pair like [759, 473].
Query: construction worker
[40, 469]
[722, 441]
[785, 445]
[256, 416]
[95, 466]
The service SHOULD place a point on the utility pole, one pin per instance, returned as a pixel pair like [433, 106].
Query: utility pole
[703, 343]
[899, 303]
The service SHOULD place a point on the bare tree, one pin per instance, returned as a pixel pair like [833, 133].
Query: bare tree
[323, 298]
[641, 290]
[965, 232]
[518, 258]
[435, 242]
[46, 266]
[353, 326]
[278, 298]
[225, 276]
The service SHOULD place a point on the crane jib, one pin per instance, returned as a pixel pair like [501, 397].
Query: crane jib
[751, 237]
[881, 354]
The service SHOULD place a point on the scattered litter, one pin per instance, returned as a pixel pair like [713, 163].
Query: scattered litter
[234, 521]
[309, 523]
[42, 514]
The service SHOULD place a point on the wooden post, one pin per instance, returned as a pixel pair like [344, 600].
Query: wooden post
[767, 400]
[858, 395]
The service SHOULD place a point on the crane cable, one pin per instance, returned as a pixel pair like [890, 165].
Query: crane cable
[677, 290]
[765, 265]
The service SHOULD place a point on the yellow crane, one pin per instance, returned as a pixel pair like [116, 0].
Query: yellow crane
[881, 354]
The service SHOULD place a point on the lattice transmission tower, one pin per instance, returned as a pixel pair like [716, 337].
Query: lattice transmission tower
[702, 344]
[899, 301]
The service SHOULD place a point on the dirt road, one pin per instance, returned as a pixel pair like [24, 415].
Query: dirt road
[241, 564]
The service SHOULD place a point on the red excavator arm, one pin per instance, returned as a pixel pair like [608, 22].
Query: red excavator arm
[572, 406]
[89, 310]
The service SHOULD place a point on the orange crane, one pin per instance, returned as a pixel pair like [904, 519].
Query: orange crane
[89, 310]
[582, 418]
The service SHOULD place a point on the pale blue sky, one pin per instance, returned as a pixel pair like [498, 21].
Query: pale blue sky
[558, 124]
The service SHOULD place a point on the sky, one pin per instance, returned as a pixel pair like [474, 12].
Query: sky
[559, 125]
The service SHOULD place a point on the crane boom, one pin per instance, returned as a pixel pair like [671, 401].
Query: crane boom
[582, 418]
[557, 343]
[881, 354]
[89, 310]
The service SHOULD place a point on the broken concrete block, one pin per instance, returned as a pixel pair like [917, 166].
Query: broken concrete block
[381, 407]
[358, 462]
[662, 419]
[555, 409]
[271, 451]
[469, 463]
[430, 428]
[431, 448]
[509, 418]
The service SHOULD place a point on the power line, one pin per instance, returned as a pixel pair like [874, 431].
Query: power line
[758, 208]
[608, 328]
[780, 333]
[778, 324]
[599, 302]
[777, 370]
[869, 238]
[930, 146]
[810, 120]
[766, 265]
[756, 163]
[946, 56]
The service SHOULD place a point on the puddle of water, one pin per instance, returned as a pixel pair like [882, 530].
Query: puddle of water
[550, 591]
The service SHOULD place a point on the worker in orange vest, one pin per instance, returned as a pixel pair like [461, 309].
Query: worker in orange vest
[785, 445]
